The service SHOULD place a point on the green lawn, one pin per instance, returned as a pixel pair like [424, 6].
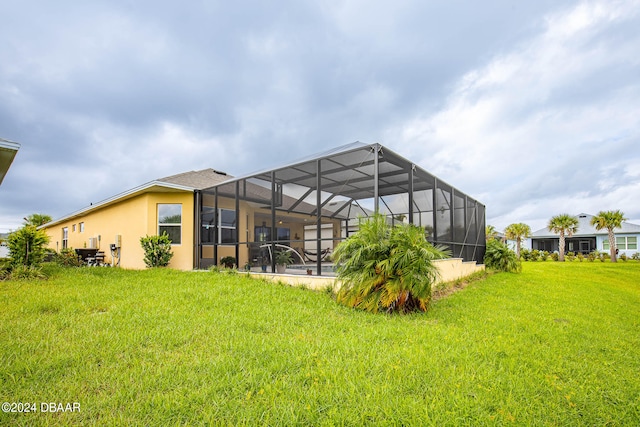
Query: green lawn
[558, 344]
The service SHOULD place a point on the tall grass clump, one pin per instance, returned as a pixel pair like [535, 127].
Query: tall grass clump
[499, 257]
[387, 268]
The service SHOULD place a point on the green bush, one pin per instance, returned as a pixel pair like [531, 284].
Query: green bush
[571, 256]
[26, 272]
[535, 255]
[499, 257]
[623, 257]
[544, 255]
[68, 258]
[555, 256]
[27, 246]
[228, 261]
[525, 254]
[635, 256]
[157, 250]
[580, 256]
[387, 268]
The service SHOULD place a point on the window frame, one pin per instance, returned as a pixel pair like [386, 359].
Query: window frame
[622, 243]
[164, 226]
[65, 237]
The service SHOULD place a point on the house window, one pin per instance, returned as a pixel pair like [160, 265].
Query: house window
[170, 221]
[623, 243]
[65, 237]
[263, 233]
[73, 228]
[283, 234]
[227, 226]
[82, 227]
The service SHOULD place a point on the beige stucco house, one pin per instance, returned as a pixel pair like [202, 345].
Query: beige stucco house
[306, 207]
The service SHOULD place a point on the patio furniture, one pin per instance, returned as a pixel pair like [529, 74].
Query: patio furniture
[323, 255]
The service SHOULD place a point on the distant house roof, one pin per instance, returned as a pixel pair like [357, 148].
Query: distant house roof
[586, 229]
[187, 181]
[8, 150]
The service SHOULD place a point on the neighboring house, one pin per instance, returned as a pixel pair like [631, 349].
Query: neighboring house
[308, 206]
[8, 150]
[587, 239]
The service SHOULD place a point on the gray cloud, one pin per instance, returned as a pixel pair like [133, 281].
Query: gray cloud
[517, 104]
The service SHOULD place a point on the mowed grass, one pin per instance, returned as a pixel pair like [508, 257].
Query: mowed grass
[558, 344]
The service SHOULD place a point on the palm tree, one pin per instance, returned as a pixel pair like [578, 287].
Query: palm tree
[609, 220]
[563, 224]
[384, 267]
[491, 233]
[37, 219]
[517, 232]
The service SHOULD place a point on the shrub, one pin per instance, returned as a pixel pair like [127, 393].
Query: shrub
[157, 250]
[635, 256]
[535, 255]
[525, 254]
[68, 258]
[555, 256]
[387, 268]
[228, 261]
[544, 255]
[26, 272]
[623, 257]
[580, 256]
[499, 257]
[593, 256]
[571, 256]
[27, 246]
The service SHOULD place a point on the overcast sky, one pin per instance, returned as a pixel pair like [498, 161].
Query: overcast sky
[533, 108]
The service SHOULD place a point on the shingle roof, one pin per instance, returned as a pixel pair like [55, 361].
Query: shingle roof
[187, 181]
[586, 229]
[198, 180]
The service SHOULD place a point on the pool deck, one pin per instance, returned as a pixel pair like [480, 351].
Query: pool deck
[450, 269]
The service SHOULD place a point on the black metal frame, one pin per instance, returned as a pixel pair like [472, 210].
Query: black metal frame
[351, 181]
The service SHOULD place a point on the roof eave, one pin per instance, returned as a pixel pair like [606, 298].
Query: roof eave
[144, 188]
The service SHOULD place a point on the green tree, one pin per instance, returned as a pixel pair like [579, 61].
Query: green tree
[517, 232]
[157, 250]
[564, 225]
[491, 233]
[609, 220]
[27, 246]
[388, 268]
[37, 219]
[499, 257]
